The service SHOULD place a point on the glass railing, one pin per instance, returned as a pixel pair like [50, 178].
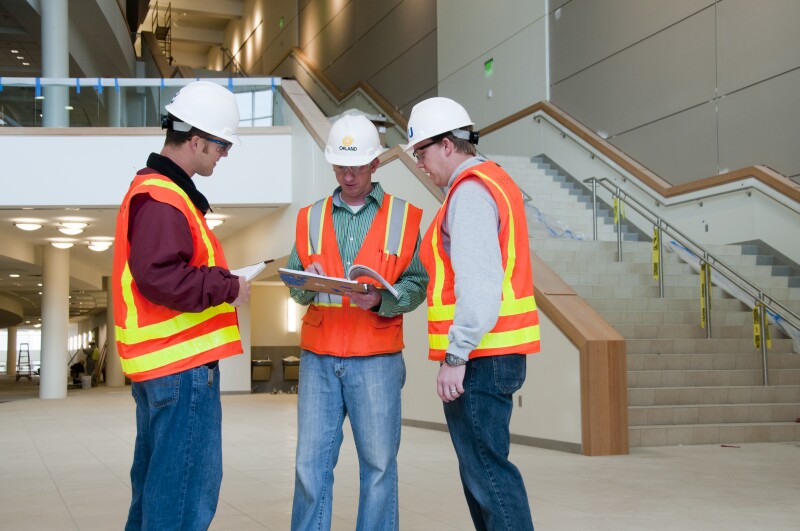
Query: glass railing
[114, 102]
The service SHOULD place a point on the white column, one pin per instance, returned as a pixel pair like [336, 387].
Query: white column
[11, 357]
[235, 370]
[55, 61]
[114, 106]
[55, 322]
[114, 374]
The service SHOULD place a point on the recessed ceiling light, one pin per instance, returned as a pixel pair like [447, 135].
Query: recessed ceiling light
[28, 226]
[14, 51]
[71, 228]
[99, 246]
[73, 224]
[20, 57]
[26, 64]
[14, 275]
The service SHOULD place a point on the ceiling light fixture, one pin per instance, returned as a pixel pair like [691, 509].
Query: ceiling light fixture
[28, 226]
[99, 246]
[62, 245]
[213, 223]
[72, 228]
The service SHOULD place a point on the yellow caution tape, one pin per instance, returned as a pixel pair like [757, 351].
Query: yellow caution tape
[703, 295]
[656, 263]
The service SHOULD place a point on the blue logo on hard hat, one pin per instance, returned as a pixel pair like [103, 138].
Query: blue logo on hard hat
[410, 132]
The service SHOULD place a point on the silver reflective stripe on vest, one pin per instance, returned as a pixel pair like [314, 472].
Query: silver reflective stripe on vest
[395, 226]
[327, 299]
[314, 225]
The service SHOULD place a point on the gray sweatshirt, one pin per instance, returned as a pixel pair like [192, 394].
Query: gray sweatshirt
[470, 239]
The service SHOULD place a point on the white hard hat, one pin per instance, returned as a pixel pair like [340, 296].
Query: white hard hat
[208, 107]
[353, 141]
[432, 117]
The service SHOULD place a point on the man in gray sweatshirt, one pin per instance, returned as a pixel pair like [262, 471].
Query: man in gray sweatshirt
[482, 317]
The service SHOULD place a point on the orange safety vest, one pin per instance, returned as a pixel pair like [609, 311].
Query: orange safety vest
[517, 327]
[153, 340]
[332, 325]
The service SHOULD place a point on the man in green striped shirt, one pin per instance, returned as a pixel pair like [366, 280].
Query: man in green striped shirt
[351, 361]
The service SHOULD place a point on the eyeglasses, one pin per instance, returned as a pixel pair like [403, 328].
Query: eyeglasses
[355, 170]
[222, 146]
[420, 151]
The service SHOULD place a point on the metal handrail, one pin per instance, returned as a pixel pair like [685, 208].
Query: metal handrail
[567, 133]
[712, 262]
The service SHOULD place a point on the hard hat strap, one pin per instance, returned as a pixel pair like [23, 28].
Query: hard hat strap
[471, 136]
[173, 124]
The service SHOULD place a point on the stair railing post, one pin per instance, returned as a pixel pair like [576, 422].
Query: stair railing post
[707, 295]
[594, 208]
[619, 223]
[762, 320]
[660, 259]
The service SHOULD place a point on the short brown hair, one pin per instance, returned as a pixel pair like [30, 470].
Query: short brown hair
[462, 145]
[176, 138]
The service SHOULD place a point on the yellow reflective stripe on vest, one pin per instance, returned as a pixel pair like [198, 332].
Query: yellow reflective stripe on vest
[180, 351]
[170, 327]
[177, 189]
[492, 339]
[438, 278]
[131, 311]
[508, 288]
[446, 312]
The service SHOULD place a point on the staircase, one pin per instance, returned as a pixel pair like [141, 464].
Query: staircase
[682, 387]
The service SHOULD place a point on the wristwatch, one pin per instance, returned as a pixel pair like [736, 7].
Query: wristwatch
[454, 361]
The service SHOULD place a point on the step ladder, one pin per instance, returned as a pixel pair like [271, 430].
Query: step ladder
[24, 367]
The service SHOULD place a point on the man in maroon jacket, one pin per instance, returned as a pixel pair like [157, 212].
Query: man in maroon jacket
[173, 316]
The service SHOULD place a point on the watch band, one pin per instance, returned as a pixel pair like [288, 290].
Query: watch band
[454, 361]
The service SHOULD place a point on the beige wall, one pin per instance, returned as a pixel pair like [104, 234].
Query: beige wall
[690, 88]
[513, 34]
[390, 44]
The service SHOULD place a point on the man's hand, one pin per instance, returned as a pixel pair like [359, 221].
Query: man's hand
[244, 293]
[450, 382]
[316, 268]
[367, 300]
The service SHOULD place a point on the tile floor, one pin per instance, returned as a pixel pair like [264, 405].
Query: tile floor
[64, 466]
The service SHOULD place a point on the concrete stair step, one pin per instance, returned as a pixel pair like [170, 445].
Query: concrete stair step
[713, 434]
[655, 362]
[646, 292]
[690, 306]
[711, 377]
[687, 331]
[658, 396]
[688, 316]
[712, 414]
[711, 346]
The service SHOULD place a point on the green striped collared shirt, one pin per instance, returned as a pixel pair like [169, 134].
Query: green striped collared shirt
[351, 229]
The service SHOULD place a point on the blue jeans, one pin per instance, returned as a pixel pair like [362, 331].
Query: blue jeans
[177, 460]
[478, 423]
[367, 389]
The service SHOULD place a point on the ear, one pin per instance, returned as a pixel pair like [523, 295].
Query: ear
[194, 142]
